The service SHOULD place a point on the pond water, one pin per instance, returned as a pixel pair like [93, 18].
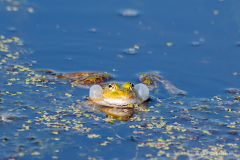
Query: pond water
[192, 44]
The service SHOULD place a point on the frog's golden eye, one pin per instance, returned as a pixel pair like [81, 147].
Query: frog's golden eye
[111, 87]
[131, 86]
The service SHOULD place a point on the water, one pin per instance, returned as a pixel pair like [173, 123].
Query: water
[82, 36]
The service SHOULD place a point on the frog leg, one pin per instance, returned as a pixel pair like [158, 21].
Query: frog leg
[149, 80]
[84, 79]
[170, 87]
[152, 79]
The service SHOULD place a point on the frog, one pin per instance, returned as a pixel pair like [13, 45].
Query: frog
[116, 94]
[119, 101]
[119, 95]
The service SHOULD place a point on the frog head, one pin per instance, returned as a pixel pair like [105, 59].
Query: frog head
[119, 95]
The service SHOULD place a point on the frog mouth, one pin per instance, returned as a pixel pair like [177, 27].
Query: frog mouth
[117, 102]
[96, 92]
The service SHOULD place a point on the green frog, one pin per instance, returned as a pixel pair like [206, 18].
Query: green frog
[119, 95]
[121, 100]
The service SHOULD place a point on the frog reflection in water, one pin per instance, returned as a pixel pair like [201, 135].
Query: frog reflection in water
[120, 98]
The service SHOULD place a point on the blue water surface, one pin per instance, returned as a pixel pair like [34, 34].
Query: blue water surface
[92, 36]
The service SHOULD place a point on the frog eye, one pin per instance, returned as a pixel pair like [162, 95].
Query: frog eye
[131, 86]
[111, 87]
